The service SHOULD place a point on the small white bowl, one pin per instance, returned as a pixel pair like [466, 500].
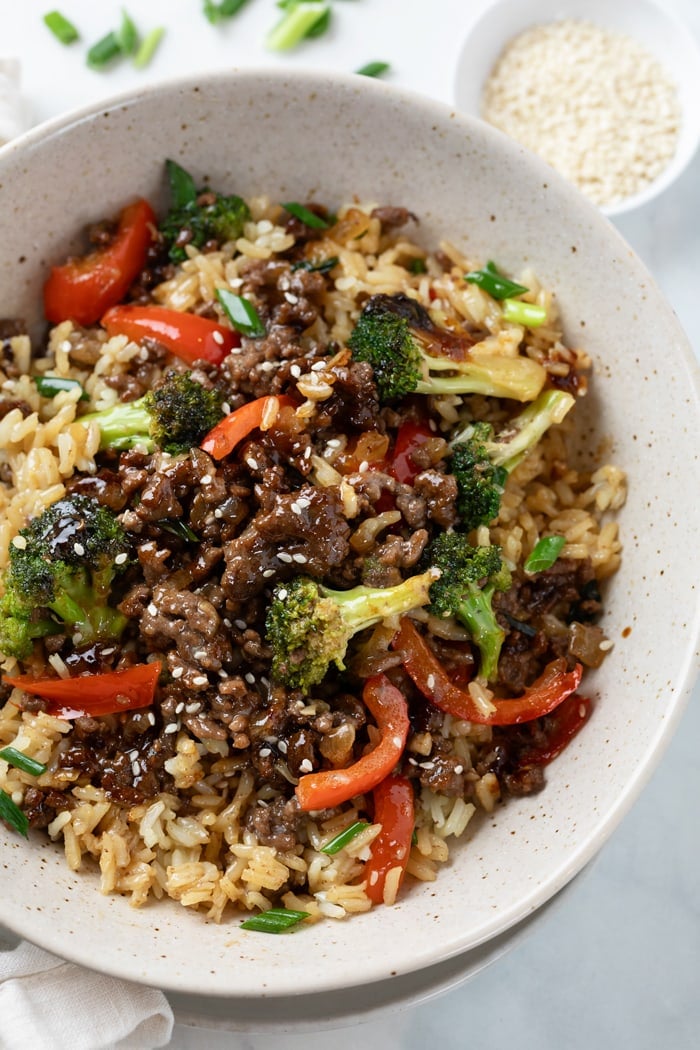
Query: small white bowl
[650, 24]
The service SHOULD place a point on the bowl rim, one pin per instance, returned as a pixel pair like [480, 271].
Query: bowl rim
[686, 675]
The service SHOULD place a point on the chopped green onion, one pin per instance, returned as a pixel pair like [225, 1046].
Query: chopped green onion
[304, 215]
[528, 314]
[418, 265]
[148, 47]
[183, 189]
[127, 35]
[106, 49]
[226, 9]
[274, 920]
[17, 758]
[49, 386]
[493, 282]
[180, 529]
[14, 816]
[544, 553]
[343, 837]
[297, 22]
[324, 266]
[321, 26]
[61, 28]
[414, 838]
[241, 313]
[373, 69]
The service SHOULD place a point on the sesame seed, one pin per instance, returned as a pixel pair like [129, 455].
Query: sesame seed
[300, 559]
[133, 755]
[135, 769]
[286, 558]
[295, 371]
[413, 762]
[178, 672]
[205, 479]
[240, 624]
[108, 652]
[221, 673]
[226, 408]
[180, 708]
[218, 513]
[427, 765]
[318, 366]
[282, 593]
[226, 622]
[282, 745]
[200, 679]
[264, 681]
[172, 728]
[252, 463]
[268, 366]
[430, 681]
[153, 609]
[267, 573]
[459, 769]
[151, 718]
[190, 709]
[334, 443]
[291, 298]
[307, 452]
[218, 338]
[19, 542]
[305, 766]
[296, 509]
[121, 558]
[363, 467]
[79, 549]
[265, 752]
[250, 678]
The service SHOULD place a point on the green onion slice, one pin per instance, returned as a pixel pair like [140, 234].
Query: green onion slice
[373, 69]
[297, 23]
[343, 837]
[494, 283]
[418, 265]
[226, 9]
[14, 816]
[183, 189]
[17, 758]
[544, 553]
[241, 313]
[275, 920]
[320, 26]
[127, 35]
[180, 529]
[304, 215]
[61, 28]
[148, 47]
[106, 49]
[49, 386]
[528, 314]
[324, 266]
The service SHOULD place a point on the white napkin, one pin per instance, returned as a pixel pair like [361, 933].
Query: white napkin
[48, 1003]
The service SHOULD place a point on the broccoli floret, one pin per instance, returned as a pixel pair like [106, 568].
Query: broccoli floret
[62, 566]
[409, 354]
[198, 216]
[481, 462]
[174, 417]
[469, 577]
[309, 626]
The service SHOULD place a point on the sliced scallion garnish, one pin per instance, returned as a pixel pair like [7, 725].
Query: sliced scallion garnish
[324, 266]
[183, 189]
[104, 51]
[274, 920]
[544, 553]
[21, 761]
[341, 840]
[147, 47]
[61, 28]
[418, 265]
[49, 386]
[217, 12]
[180, 529]
[303, 214]
[528, 314]
[373, 69]
[13, 815]
[494, 283]
[127, 35]
[297, 23]
[241, 313]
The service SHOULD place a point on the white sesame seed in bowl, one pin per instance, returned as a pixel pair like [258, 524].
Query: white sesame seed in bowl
[604, 92]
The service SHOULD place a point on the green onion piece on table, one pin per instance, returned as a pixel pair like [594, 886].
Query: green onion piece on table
[344, 837]
[13, 815]
[544, 553]
[61, 28]
[320, 27]
[183, 188]
[373, 69]
[21, 761]
[127, 35]
[104, 51]
[275, 920]
[297, 22]
[528, 314]
[241, 313]
[226, 9]
[494, 283]
[49, 386]
[303, 214]
[147, 48]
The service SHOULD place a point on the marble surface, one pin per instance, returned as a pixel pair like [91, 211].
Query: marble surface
[617, 963]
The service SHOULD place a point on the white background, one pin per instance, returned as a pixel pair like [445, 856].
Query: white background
[617, 964]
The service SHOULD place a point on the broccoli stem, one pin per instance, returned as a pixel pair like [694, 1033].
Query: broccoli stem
[518, 378]
[477, 614]
[525, 430]
[362, 607]
[123, 426]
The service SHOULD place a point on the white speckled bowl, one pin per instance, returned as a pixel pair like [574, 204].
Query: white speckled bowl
[307, 136]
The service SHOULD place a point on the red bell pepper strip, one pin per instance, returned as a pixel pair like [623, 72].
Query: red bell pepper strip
[410, 437]
[560, 728]
[394, 809]
[332, 787]
[544, 695]
[224, 437]
[95, 694]
[83, 288]
[187, 336]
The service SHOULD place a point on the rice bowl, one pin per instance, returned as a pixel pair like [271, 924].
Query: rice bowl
[485, 867]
